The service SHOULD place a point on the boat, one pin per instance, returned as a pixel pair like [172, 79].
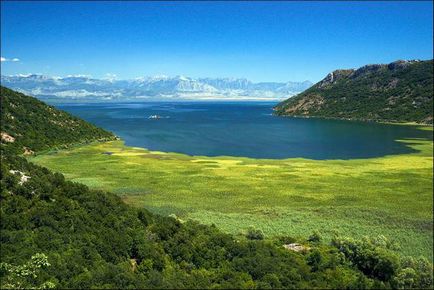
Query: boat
[154, 117]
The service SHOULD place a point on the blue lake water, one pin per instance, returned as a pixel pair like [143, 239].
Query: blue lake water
[243, 129]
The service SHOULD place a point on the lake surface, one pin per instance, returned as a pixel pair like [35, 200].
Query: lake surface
[243, 129]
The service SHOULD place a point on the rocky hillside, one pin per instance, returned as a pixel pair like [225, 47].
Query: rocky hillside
[29, 125]
[401, 91]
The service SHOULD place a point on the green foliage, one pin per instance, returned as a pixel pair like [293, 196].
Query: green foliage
[37, 126]
[25, 276]
[314, 259]
[398, 92]
[373, 259]
[315, 237]
[414, 273]
[376, 259]
[92, 239]
[254, 234]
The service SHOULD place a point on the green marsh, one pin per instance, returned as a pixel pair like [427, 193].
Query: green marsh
[390, 196]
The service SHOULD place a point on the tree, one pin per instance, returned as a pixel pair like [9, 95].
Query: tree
[25, 276]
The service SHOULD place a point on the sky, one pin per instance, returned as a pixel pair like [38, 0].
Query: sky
[260, 41]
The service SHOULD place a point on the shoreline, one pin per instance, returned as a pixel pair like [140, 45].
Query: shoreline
[412, 123]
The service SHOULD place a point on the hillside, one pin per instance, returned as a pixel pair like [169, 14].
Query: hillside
[56, 233]
[401, 91]
[30, 125]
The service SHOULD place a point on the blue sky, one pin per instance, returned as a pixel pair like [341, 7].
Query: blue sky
[275, 41]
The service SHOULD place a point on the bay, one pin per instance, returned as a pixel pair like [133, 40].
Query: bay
[246, 129]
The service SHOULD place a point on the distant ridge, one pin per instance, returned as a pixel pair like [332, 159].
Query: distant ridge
[88, 89]
[401, 91]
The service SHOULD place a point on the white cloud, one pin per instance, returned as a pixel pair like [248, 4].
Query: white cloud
[110, 76]
[79, 76]
[4, 59]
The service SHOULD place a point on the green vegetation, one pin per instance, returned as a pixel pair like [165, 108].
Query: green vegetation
[390, 195]
[25, 276]
[35, 126]
[398, 92]
[92, 239]
[58, 233]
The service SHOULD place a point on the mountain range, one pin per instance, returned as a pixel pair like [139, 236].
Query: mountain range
[85, 88]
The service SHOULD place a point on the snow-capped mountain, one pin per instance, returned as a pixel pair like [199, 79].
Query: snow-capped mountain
[85, 88]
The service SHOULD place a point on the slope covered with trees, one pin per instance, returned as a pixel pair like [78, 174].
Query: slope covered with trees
[34, 126]
[401, 91]
[56, 233]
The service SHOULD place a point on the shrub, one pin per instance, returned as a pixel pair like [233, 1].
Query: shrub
[254, 234]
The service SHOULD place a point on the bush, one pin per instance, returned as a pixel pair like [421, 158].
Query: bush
[254, 234]
[315, 237]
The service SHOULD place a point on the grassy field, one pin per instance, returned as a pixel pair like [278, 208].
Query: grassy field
[390, 196]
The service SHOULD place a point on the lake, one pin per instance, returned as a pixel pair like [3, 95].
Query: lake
[243, 129]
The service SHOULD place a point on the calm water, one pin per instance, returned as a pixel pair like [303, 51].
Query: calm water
[243, 129]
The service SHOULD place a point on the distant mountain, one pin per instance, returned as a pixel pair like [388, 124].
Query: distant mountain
[400, 91]
[84, 88]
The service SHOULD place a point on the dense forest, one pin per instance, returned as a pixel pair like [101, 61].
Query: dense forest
[35, 126]
[401, 91]
[60, 234]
